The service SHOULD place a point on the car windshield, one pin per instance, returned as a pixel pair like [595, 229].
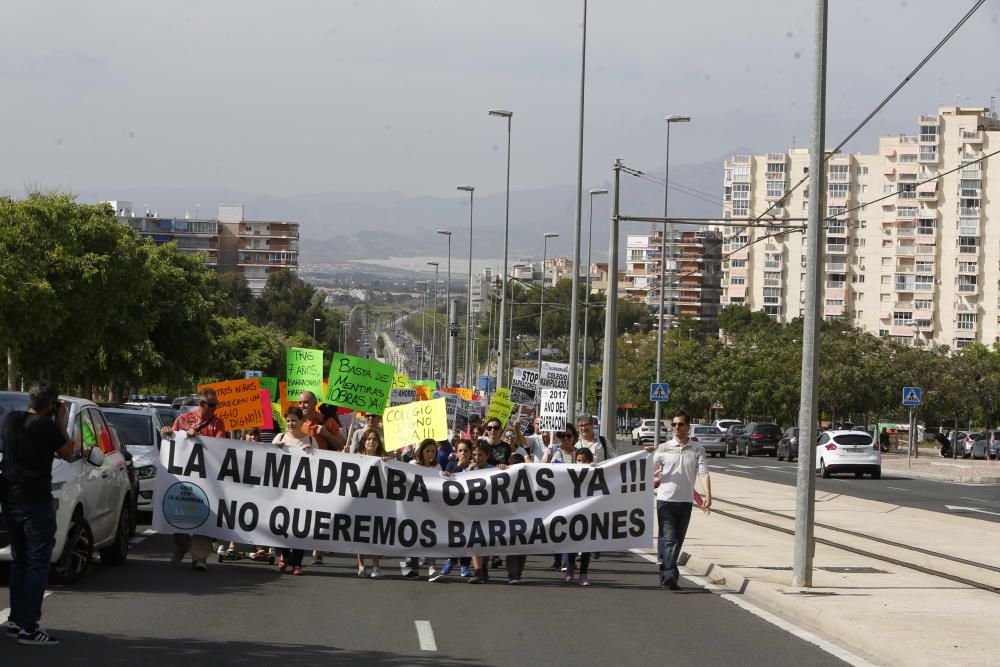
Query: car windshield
[769, 429]
[704, 430]
[854, 440]
[134, 428]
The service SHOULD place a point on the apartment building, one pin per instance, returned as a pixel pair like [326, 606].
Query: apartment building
[919, 266]
[693, 278]
[228, 243]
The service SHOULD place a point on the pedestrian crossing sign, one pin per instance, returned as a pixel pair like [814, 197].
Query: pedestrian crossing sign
[659, 391]
[911, 395]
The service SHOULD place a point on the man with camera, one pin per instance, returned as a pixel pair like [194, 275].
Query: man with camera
[31, 439]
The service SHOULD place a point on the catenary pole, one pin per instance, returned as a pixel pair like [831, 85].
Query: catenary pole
[609, 406]
[574, 299]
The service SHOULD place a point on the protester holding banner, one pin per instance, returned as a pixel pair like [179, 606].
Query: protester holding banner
[564, 450]
[371, 422]
[537, 444]
[498, 449]
[294, 436]
[202, 421]
[583, 456]
[426, 457]
[463, 457]
[597, 444]
[372, 445]
[326, 430]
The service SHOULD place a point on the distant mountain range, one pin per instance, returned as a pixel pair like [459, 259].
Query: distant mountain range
[349, 226]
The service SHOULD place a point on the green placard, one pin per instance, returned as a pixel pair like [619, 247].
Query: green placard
[304, 372]
[500, 407]
[271, 384]
[425, 383]
[359, 384]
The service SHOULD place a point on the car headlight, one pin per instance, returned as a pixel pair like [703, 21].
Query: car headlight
[147, 472]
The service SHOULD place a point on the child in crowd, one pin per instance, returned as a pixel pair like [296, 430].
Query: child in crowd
[586, 457]
[463, 459]
[480, 461]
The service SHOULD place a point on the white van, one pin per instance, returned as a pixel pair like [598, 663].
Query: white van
[91, 493]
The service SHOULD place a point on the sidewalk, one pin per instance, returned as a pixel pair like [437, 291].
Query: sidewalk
[930, 465]
[892, 614]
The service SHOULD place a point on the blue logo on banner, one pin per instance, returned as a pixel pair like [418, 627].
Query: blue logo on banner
[185, 506]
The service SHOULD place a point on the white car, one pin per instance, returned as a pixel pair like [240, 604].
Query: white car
[646, 432]
[91, 493]
[847, 451]
[724, 424]
[139, 427]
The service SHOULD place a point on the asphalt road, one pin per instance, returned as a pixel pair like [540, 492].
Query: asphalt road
[243, 613]
[893, 488]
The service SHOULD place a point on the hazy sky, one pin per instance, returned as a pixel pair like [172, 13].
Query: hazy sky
[378, 95]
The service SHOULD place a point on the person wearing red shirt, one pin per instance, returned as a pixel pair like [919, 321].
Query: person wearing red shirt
[202, 421]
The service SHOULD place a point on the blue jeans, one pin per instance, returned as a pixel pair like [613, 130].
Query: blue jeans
[32, 531]
[673, 524]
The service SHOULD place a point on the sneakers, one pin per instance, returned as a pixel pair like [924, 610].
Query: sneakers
[317, 560]
[199, 565]
[584, 581]
[376, 574]
[570, 569]
[514, 581]
[221, 550]
[364, 571]
[37, 638]
[177, 557]
[297, 571]
[434, 575]
[12, 629]
[446, 568]
[412, 574]
[465, 571]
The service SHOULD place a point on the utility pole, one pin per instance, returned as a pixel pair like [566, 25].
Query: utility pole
[452, 341]
[609, 405]
[805, 491]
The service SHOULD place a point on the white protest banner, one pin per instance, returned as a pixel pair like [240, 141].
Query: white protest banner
[262, 494]
[402, 396]
[524, 386]
[553, 409]
[555, 375]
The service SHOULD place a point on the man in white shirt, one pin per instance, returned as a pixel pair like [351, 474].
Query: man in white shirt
[676, 464]
[597, 444]
[537, 445]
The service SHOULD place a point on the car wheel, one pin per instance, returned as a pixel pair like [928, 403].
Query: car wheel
[74, 561]
[781, 457]
[823, 471]
[116, 552]
[877, 474]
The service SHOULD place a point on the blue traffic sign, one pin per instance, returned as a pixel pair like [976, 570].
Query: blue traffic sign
[911, 395]
[659, 391]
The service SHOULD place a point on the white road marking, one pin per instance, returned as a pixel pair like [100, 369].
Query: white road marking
[425, 633]
[767, 616]
[975, 500]
[896, 488]
[959, 508]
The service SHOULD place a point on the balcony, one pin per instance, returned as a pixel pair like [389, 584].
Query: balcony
[972, 137]
[968, 249]
[907, 139]
[924, 270]
[771, 264]
[905, 251]
[964, 288]
[969, 211]
[836, 266]
[836, 284]
[929, 120]
[965, 307]
[837, 249]
[904, 231]
[923, 287]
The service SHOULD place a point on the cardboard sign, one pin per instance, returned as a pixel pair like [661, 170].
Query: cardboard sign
[359, 384]
[423, 392]
[239, 403]
[409, 424]
[553, 409]
[501, 406]
[430, 384]
[554, 375]
[451, 404]
[462, 392]
[304, 370]
[283, 398]
[271, 384]
[400, 381]
[267, 421]
[402, 396]
[524, 386]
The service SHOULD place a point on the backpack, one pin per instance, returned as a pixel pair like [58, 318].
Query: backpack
[604, 444]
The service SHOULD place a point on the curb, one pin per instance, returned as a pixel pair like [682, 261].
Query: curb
[973, 478]
[787, 601]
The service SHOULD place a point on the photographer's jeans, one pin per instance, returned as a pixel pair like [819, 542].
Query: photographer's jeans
[32, 530]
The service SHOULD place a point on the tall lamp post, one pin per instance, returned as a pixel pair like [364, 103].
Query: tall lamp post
[423, 323]
[541, 300]
[344, 326]
[667, 230]
[450, 372]
[503, 113]
[468, 306]
[315, 322]
[434, 323]
[586, 304]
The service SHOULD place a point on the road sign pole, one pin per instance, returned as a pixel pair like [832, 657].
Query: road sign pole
[912, 435]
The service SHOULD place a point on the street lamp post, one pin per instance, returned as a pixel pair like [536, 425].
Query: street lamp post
[434, 323]
[344, 326]
[423, 323]
[449, 363]
[468, 306]
[541, 301]
[586, 306]
[503, 113]
[315, 322]
[667, 231]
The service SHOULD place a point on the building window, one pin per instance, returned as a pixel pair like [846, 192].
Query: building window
[966, 321]
[926, 226]
[902, 318]
[963, 342]
[923, 304]
[838, 190]
[928, 132]
[861, 171]
[928, 153]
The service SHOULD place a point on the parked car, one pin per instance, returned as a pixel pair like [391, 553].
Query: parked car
[711, 438]
[759, 437]
[969, 448]
[732, 433]
[139, 427]
[985, 446]
[848, 451]
[724, 424]
[91, 493]
[646, 432]
[788, 446]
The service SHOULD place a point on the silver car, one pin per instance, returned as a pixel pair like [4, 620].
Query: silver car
[711, 438]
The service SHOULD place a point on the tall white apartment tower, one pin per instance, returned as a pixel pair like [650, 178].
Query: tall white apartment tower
[920, 266]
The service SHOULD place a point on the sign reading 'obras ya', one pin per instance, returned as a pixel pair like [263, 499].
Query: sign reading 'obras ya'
[359, 384]
[409, 424]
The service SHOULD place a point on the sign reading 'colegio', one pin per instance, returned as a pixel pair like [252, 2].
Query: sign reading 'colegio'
[314, 499]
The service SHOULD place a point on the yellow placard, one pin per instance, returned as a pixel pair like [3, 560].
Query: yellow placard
[409, 424]
[239, 403]
[461, 392]
[400, 381]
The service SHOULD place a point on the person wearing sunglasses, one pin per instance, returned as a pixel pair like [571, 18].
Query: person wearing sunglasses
[589, 439]
[564, 448]
[676, 465]
[202, 421]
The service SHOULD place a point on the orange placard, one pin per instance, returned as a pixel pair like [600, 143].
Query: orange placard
[423, 392]
[283, 397]
[461, 392]
[239, 403]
